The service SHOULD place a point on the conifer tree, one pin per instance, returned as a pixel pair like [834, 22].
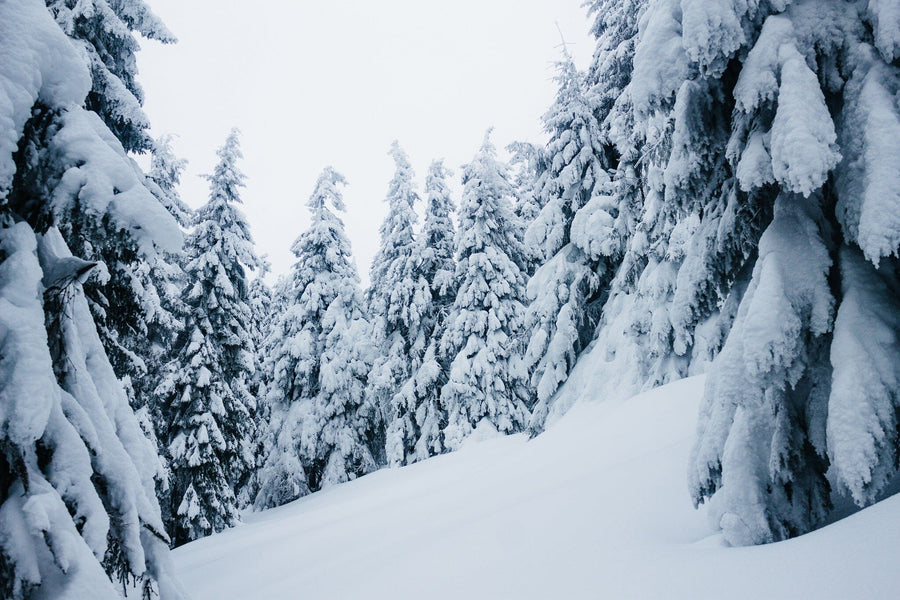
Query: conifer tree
[165, 173]
[262, 309]
[811, 128]
[322, 423]
[169, 278]
[132, 299]
[564, 294]
[486, 382]
[210, 408]
[754, 157]
[399, 300]
[422, 417]
[105, 30]
[78, 511]
[529, 164]
[598, 282]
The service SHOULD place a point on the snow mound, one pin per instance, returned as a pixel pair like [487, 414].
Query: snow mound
[597, 507]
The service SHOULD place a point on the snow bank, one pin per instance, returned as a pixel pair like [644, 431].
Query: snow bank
[597, 507]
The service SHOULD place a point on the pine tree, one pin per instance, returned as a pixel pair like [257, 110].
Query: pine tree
[483, 337]
[105, 29]
[262, 309]
[418, 400]
[399, 300]
[595, 273]
[78, 512]
[321, 419]
[778, 126]
[165, 173]
[210, 409]
[132, 299]
[564, 291]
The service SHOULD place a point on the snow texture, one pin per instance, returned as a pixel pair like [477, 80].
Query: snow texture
[465, 526]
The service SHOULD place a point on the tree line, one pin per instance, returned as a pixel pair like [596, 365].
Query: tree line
[719, 194]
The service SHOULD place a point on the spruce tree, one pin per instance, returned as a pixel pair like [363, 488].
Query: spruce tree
[262, 309]
[322, 423]
[132, 299]
[747, 137]
[810, 132]
[78, 512]
[399, 299]
[169, 279]
[597, 284]
[210, 409]
[483, 337]
[104, 30]
[165, 173]
[565, 291]
[417, 403]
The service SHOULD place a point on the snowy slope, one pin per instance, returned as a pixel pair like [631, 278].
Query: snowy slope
[597, 507]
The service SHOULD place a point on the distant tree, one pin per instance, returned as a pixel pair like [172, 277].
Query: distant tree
[399, 302]
[210, 409]
[419, 417]
[322, 422]
[263, 310]
[484, 330]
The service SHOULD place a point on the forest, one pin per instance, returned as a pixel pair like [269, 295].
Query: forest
[718, 196]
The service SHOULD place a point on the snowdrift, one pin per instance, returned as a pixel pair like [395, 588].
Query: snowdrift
[597, 507]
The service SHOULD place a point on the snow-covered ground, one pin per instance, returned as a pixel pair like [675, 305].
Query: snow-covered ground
[597, 507]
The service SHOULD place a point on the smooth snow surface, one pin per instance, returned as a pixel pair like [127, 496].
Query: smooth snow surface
[597, 507]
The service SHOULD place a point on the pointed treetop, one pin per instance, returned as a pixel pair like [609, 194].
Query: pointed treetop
[401, 159]
[564, 45]
[437, 170]
[487, 146]
[401, 185]
[327, 190]
[226, 177]
[165, 167]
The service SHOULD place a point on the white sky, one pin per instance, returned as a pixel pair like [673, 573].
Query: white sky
[313, 83]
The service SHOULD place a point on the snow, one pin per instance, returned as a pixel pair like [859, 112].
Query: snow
[36, 62]
[596, 507]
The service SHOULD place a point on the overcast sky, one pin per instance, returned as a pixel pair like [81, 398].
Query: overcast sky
[334, 82]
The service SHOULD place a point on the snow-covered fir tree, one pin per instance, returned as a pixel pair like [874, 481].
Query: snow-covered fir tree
[210, 410]
[261, 301]
[399, 300]
[565, 291]
[168, 277]
[104, 30]
[749, 144]
[813, 347]
[528, 166]
[78, 512]
[130, 297]
[417, 403]
[598, 232]
[166, 170]
[678, 263]
[262, 310]
[323, 425]
[487, 385]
